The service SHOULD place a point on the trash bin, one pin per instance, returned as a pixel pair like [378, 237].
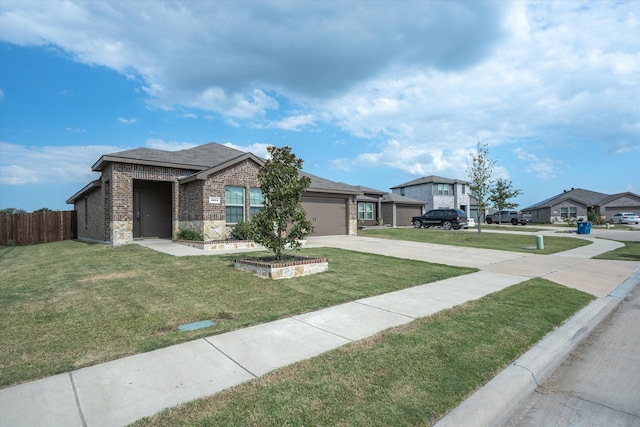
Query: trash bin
[584, 227]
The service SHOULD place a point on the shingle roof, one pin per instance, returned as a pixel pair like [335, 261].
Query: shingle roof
[613, 197]
[397, 198]
[325, 185]
[197, 158]
[587, 197]
[431, 179]
[203, 159]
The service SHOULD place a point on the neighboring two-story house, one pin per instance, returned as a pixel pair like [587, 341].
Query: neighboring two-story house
[437, 192]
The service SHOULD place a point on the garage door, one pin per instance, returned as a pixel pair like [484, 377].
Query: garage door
[404, 213]
[612, 210]
[327, 214]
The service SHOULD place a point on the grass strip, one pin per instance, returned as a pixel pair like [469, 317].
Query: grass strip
[67, 305]
[497, 241]
[406, 376]
[630, 252]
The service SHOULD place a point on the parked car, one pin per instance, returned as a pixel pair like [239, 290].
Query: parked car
[471, 222]
[514, 217]
[625, 218]
[445, 218]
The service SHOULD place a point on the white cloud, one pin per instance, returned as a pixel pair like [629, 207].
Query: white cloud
[75, 130]
[189, 116]
[63, 164]
[127, 121]
[257, 148]
[294, 123]
[422, 80]
[543, 168]
[16, 175]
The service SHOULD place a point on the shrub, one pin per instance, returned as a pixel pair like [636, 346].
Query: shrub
[189, 234]
[242, 231]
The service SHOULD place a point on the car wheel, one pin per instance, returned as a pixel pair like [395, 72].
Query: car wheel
[514, 221]
[489, 220]
[447, 225]
[417, 224]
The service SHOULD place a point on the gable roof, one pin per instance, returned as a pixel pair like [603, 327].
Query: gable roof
[397, 198]
[93, 185]
[613, 197]
[431, 179]
[196, 158]
[586, 197]
[326, 186]
[203, 160]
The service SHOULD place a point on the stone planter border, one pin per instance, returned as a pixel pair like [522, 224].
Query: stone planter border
[283, 270]
[219, 245]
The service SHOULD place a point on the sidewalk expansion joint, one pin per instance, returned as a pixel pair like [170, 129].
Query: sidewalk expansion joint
[322, 329]
[231, 358]
[77, 399]
[384, 309]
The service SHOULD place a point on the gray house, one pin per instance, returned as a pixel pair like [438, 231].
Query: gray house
[578, 203]
[437, 192]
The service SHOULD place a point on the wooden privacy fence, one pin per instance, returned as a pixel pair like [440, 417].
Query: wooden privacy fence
[37, 227]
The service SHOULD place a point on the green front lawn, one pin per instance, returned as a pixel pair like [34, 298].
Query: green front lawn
[406, 376]
[630, 252]
[498, 241]
[67, 305]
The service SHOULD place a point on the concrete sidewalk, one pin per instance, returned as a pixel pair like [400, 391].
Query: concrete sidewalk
[124, 390]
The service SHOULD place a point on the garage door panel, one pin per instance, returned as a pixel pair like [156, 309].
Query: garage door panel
[405, 213]
[327, 214]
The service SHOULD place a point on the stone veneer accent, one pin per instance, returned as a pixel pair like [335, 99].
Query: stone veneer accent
[122, 232]
[283, 270]
[219, 245]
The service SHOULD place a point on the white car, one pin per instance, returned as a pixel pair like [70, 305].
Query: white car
[625, 218]
[471, 222]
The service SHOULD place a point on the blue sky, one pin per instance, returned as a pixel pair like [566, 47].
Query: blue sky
[366, 93]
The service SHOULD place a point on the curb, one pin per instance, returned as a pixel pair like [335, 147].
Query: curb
[496, 401]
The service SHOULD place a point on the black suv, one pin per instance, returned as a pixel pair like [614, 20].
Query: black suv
[445, 218]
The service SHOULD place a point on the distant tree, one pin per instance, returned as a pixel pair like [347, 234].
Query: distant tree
[479, 174]
[501, 193]
[43, 210]
[283, 222]
[13, 210]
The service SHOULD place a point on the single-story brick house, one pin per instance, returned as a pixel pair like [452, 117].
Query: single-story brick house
[154, 193]
[578, 202]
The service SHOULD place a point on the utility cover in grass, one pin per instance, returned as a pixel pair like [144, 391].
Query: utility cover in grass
[196, 325]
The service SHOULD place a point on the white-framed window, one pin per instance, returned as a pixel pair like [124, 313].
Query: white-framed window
[570, 212]
[365, 211]
[443, 189]
[234, 201]
[256, 201]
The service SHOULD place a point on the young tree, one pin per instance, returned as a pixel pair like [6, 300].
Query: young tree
[479, 174]
[501, 193]
[283, 222]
